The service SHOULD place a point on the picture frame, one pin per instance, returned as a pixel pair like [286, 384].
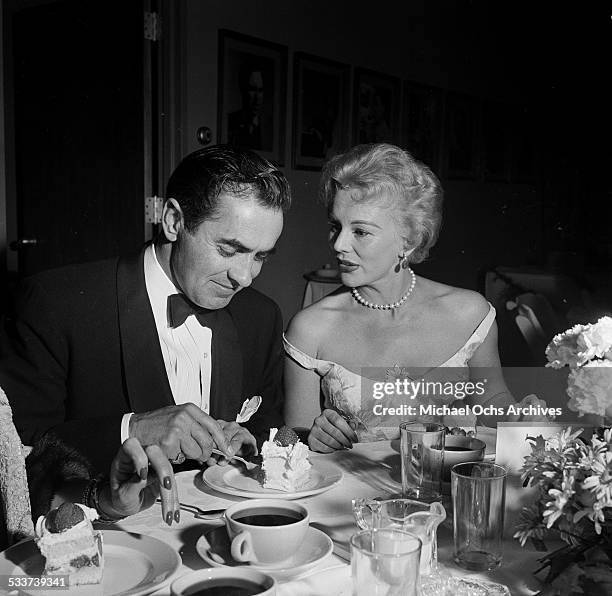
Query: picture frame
[320, 110]
[496, 141]
[461, 136]
[423, 108]
[252, 94]
[376, 107]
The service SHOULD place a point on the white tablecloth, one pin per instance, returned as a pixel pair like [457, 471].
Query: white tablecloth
[330, 511]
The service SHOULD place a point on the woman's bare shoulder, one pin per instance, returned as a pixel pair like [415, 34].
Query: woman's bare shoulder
[465, 305]
[309, 325]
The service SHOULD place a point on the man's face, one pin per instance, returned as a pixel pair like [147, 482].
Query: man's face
[226, 253]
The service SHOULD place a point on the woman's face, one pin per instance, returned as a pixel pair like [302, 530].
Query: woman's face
[366, 238]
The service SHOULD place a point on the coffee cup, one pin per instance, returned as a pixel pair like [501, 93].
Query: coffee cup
[220, 582]
[459, 449]
[266, 531]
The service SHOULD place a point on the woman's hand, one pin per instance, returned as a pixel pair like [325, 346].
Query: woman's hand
[330, 432]
[137, 477]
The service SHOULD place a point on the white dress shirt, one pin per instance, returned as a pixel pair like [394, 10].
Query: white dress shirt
[186, 350]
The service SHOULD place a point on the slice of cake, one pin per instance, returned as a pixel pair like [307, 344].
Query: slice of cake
[285, 461]
[70, 545]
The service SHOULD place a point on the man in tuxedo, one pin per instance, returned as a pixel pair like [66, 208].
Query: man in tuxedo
[166, 345]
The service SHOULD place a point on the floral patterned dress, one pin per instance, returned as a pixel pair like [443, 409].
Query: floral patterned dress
[352, 394]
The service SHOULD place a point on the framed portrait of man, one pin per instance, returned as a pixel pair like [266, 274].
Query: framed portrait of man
[376, 108]
[252, 94]
[422, 123]
[320, 110]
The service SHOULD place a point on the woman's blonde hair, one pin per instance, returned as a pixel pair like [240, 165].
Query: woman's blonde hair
[382, 170]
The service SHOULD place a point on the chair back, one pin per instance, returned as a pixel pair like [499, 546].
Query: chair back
[15, 512]
[537, 322]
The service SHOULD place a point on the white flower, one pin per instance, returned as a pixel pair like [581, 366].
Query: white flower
[590, 388]
[587, 350]
[563, 350]
[596, 340]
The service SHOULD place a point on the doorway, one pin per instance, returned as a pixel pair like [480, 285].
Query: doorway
[76, 131]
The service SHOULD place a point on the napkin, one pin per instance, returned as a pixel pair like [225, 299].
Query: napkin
[249, 407]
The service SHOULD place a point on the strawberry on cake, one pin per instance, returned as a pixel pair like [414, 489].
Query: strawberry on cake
[285, 460]
[70, 545]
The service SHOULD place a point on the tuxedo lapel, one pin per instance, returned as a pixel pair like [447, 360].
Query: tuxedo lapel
[143, 363]
[226, 377]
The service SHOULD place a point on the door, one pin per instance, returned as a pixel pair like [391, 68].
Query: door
[78, 130]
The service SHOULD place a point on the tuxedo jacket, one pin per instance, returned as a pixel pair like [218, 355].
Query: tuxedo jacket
[83, 350]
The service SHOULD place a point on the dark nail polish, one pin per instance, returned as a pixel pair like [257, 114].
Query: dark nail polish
[177, 516]
[169, 518]
[144, 471]
[167, 482]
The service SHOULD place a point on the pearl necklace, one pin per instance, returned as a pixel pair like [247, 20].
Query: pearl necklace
[359, 298]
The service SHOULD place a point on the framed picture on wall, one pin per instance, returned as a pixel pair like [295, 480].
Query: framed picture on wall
[496, 141]
[376, 108]
[252, 94]
[320, 110]
[462, 128]
[422, 123]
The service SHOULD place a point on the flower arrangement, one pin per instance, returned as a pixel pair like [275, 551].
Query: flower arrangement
[573, 478]
[572, 475]
[587, 351]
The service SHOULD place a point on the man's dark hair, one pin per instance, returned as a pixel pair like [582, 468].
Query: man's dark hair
[203, 175]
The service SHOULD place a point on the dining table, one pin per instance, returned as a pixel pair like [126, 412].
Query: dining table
[369, 470]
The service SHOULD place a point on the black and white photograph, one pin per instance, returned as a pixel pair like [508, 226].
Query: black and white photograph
[422, 123]
[305, 298]
[320, 110]
[376, 107]
[252, 94]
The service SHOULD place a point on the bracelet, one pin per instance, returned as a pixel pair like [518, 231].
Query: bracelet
[91, 498]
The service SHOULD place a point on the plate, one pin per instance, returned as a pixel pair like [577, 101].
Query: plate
[214, 547]
[235, 480]
[134, 565]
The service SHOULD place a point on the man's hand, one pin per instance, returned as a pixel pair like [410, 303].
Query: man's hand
[241, 441]
[181, 429]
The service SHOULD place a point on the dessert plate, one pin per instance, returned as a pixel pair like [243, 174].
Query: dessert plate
[214, 547]
[237, 481]
[134, 565]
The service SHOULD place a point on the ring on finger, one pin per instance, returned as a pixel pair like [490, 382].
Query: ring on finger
[179, 459]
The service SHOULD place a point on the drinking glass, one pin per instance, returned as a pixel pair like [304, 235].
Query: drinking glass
[420, 519]
[422, 456]
[385, 562]
[479, 500]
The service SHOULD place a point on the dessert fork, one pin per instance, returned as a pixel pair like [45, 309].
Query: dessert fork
[200, 513]
[249, 464]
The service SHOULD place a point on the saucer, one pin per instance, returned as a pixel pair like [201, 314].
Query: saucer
[214, 547]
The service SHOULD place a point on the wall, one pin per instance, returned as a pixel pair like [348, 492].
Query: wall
[450, 45]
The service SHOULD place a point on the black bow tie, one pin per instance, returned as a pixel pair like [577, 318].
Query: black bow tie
[180, 307]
